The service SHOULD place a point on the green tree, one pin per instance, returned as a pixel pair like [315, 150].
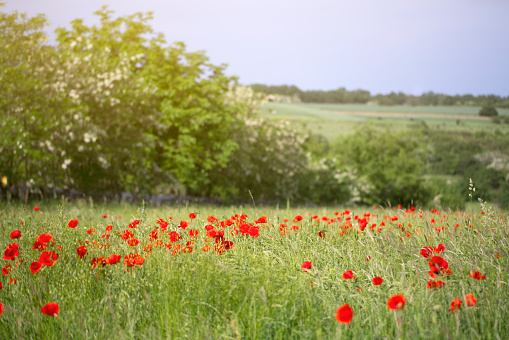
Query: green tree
[392, 164]
[488, 111]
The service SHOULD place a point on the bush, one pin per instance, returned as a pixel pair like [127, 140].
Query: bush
[488, 111]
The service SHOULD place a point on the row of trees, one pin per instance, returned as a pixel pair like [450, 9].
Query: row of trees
[343, 96]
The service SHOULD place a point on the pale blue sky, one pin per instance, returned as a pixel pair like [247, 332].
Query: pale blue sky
[414, 46]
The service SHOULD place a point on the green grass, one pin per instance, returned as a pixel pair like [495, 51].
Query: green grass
[321, 118]
[256, 290]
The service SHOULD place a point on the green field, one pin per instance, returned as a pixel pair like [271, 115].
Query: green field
[334, 120]
[243, 279]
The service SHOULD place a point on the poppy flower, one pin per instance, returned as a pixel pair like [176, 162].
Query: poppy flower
[193, 232]
[254, 231]
[306, 265]
[113, 258]
[321, 233]
[1, 308]
[470, 300]
[344, 314]
[348, 275]
[455, 305]
[105, 216]
[477, 275]
[133, 242]
[13, 281]
[35, 266]
[15, 234]
[440, 248]
[72, 223]
[7, 269]
[11, 252]
[262, 219]
[108, 228]
[48, 258]
[44, 238]
[426, 252]
[183, 224]
[298, 218]
[50, 309]
[90, 231]
[192, 216]
[377, 281]
[396, 302]
[212, 219]
[82, 251]
[36, 208]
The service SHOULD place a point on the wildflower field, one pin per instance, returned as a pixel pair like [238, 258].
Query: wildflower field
[121, 272]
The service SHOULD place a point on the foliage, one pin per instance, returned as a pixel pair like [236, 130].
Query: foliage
[488, 111]
[392, 164]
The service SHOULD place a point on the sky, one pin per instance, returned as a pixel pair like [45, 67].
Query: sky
[416, 46]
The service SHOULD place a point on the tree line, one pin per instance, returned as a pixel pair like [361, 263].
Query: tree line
[343, 96]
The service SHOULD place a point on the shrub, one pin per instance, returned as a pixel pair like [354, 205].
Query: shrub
[488, 111]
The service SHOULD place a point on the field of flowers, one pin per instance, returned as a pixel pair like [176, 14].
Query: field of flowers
[115, 272]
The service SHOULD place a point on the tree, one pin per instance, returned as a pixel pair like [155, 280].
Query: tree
[488, 111]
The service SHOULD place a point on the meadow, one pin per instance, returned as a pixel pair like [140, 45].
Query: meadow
[336, 120]
[89, 271]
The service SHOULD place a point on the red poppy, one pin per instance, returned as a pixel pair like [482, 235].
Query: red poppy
[440, 248]
[36, 208]
[321, 233]
[212, 219]
[7, 269]
[44, 238]
[13, 281]
[48, 258]
[193, 232]
[133, 242]
[11, 252]
[35, 266]
[1, 308]
[105, 216]
[90, 231]
[50, 309]
[426, 252]
[227, 245]
[72, 223]
[344, 314]
[133, 224]
[367, 259]
[477, 275]
[254, 231]
[15, 234]
[183, 224]
[470, 300]
[396, 302]
[306, 265]
[377, 281]
[348, 275]
[262, 219]
[174, 237]
[108, 228]
[298, 218]
[192, 216]
[82, 251]
[455, 305]
[113, 258]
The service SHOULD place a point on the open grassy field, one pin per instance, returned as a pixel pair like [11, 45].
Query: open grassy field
[334, 120]
[117, 272]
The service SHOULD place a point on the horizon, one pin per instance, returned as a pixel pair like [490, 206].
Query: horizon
[455, 48]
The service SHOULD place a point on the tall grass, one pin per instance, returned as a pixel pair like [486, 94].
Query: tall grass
[257, 289]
